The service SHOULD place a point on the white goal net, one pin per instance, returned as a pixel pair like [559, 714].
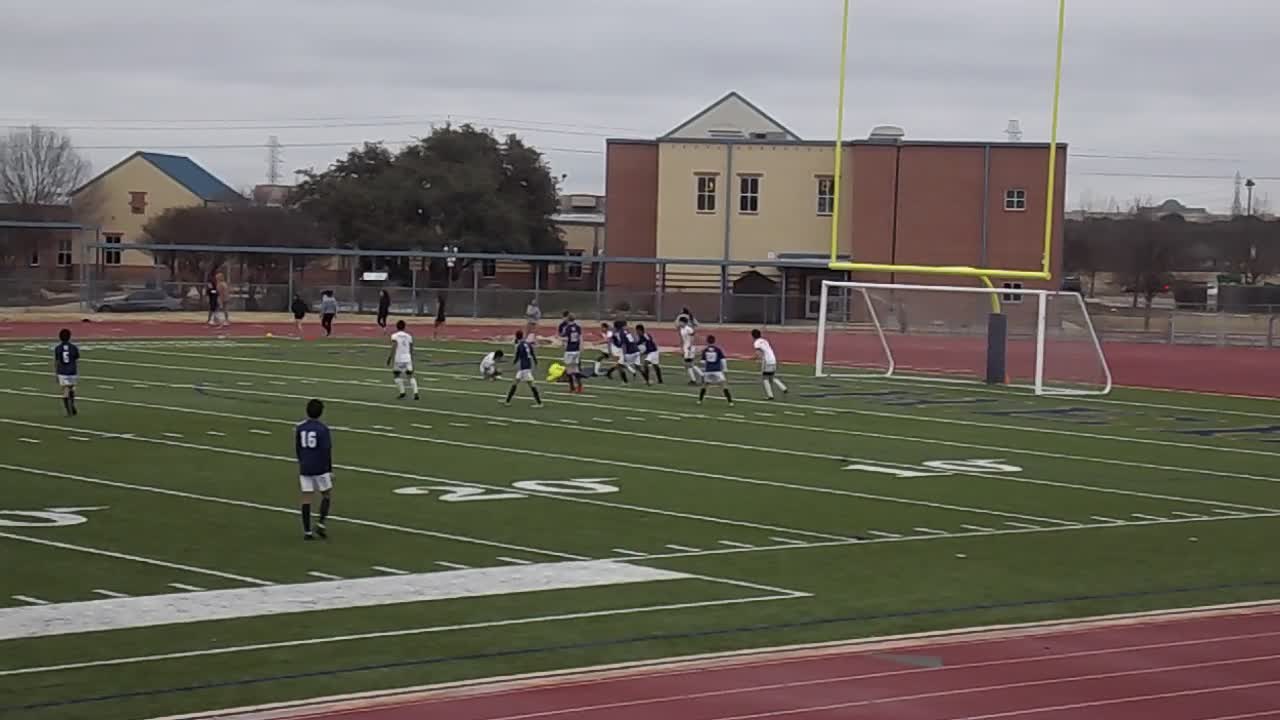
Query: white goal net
[946, 334]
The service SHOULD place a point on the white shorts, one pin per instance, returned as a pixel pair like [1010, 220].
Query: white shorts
[615, 352]
[405, 367]
[316, 483]
[524, 376]
[68, 380]
[768, 368]
[631, 359]
[571, 359]
[488, 372]
[652, 358]
[713, 378]
[690, 354]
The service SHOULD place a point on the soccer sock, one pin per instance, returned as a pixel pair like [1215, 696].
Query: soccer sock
[66, 403]
[727, 396]
[71, 395]
[781, 386]
[658, 372]
[644, 370]
[768, 389]
[324, 509]
[623, 374]
[536, 397]
[306, 518]
[400, 385]
[413, 385]
[702, 393]
[693, 376]
[512, 392]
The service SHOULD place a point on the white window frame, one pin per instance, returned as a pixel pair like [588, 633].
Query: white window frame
[109, 256]
[749, 185]
[705, 192]
[826, 195]
[1011, 298]
[1015, 200]
[65, 252]
[488, 269]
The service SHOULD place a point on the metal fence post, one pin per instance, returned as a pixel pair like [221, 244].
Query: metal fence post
[782, 300]
[353, 283]
[413, 289]
[1271, 331]
[289, 299]
[662, 291]
[475, 291]
[599, 273]
[724, 288]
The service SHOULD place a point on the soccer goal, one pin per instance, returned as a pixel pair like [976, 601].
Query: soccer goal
[1041, 340]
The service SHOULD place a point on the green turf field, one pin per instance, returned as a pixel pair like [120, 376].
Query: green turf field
[847, 509]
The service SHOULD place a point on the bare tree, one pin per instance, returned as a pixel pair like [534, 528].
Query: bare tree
[39, 166]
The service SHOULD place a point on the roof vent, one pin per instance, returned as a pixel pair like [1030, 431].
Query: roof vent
[887, 134]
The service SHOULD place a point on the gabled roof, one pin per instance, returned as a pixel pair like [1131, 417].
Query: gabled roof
[182, 170]
[732, 96]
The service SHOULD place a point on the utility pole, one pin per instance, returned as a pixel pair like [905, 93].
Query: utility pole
[1237, 208]
[273, 160]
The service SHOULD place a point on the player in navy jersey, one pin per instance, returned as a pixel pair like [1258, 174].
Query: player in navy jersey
[314, 446]
[628, 349]
[713, 370]
[66, 366]
[648, 355]
[571, 331]
[525, 362]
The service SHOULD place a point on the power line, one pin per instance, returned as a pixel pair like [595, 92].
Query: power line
[260, 146]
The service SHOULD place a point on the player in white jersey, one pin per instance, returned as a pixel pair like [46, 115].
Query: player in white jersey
[400, 360]
[687, 349]
[489, 365]
[768, 364]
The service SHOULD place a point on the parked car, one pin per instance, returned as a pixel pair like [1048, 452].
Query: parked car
[141, 301]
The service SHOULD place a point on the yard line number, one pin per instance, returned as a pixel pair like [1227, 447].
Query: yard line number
[463, 493]
[937, 468]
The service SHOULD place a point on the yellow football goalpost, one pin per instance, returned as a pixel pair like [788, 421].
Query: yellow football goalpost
[984, 274]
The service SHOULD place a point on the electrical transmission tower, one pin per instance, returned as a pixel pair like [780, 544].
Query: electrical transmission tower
[1237, 207]
[273, 160]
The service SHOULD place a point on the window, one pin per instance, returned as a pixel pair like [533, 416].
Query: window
[34, 260]
[488, 268]
[573, 270]
[1015, 200]
[1012, 298]
[749, 193]
[64, 253]
[138, 203]
[706, 193]
[826, 195]
[109, 256]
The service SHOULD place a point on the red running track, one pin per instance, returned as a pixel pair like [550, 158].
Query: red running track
[1210, 666]
[1225, 370]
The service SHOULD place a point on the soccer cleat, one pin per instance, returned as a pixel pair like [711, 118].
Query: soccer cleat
[308, 537]
[400, 396]
[324, 534]
[417, 396]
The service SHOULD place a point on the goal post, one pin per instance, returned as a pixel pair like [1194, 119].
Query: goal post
[1042, 340]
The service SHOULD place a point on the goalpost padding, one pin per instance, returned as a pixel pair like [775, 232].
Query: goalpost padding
[1043, 340]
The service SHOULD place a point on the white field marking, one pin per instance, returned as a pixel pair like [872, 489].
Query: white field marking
[1003, 477]
[382, 427]
[671, 418]
[636, 419]
[260, 506]
[324, 575]
[28, 388]
[256, 431]
[32, 441]
[764, 414]
[731, 543]
[1101, 518]
[789, 541]
[107, 387]
[495, 423]
[33, 363]
[599, 675]
[408, 632]
[140, 386]
[735, 416]
[823, 412]
[684, 548]
[78, 438]
[459, 424]
[421, 426]
[150, 611]
[654, 468]
[1022, 525]
[29, 600]
[124, 556]
[1186, 514]
[514, 561]
[245, 384]
[624, 551]
[411, 476]
[601, 420]
[568, 421]
[883, 534]
[188, 588]
[276, 382]
[1112, 701]
[1227, 512]
[110, 594]
[172, 435]
[390, 570]
[215, 433]
[1146, 517]
[931, 531]
[978, 528]
[454, 566]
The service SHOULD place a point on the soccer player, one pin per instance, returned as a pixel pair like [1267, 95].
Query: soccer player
[489, 366]
[66, 367]
[713, 371]
[630, 349]
[768, 364]
[314, 447]
[525, 362]
[571, 331]
[328, 310]
[649, 353]
[532, 316]
[402, 355]
[687, 349]
[299, 308]
[384, 309]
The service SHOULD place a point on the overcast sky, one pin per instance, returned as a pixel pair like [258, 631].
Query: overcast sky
[1162, 87]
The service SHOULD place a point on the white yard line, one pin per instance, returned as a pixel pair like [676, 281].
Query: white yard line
[125, 556]
[324, 575]
[514, 561]
[624, 551]
[978, 528]
[453, 566]
[110, 594]
[29, 600]
[390, 570]
[186, 587]
[731, 543]
[685, 548]
[883, 534]
[931, 531]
